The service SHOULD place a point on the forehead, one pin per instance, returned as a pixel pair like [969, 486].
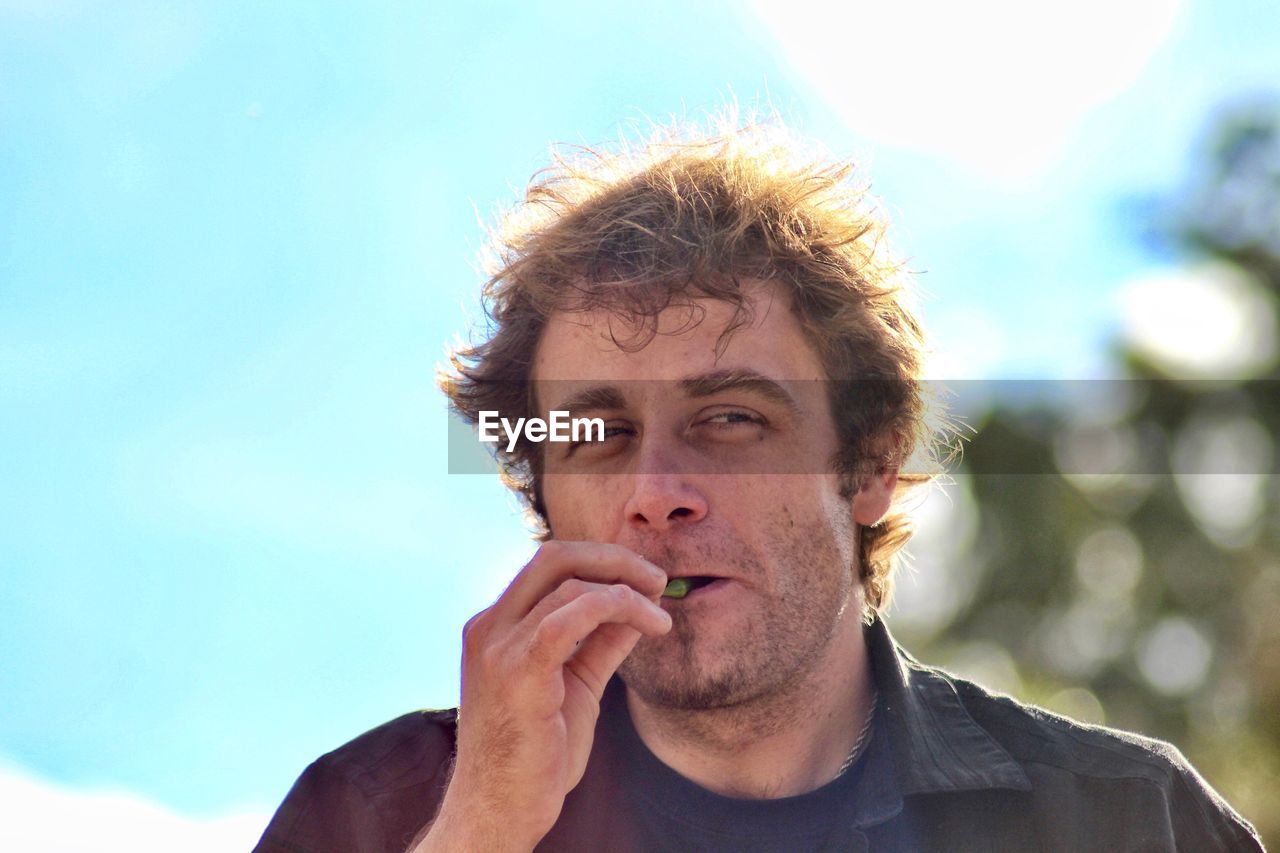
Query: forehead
[595, 345]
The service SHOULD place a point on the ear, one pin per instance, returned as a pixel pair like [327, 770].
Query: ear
[872, 500]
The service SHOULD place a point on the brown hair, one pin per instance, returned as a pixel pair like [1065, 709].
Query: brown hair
[688, 216]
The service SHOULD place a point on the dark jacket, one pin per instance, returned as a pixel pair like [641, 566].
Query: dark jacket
[951, 767]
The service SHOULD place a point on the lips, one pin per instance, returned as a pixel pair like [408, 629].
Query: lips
[680, 587]
[698, 581]
[686, 585]
[682, 571]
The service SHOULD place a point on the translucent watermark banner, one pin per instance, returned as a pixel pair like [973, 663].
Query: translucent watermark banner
[742, 422]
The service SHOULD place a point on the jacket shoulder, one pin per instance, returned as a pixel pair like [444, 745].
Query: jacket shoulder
[410, 750]
[1034, 734]
[1098, 763]
[371, 794]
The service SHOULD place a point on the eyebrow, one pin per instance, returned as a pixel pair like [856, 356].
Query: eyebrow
[704, 385]
[741, 379]
[594, 398]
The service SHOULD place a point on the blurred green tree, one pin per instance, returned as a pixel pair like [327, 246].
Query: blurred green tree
[1111, 549]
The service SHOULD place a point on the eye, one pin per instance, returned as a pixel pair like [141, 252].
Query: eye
[731, 423]
[726, 418]
[612, 431]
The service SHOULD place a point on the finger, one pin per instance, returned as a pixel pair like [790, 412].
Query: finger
[559, 559]
[601, 653]
[567, 591]
[558, 634]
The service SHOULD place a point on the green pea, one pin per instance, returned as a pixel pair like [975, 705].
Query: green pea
[677, 588]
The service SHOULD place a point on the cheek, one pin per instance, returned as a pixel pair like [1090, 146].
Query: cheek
[559, 502]
[820, 523]
[576, 504]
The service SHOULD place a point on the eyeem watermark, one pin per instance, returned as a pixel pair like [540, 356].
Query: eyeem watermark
[560, 427]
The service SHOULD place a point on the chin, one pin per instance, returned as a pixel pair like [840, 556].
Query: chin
[680, 692]
[672, 672]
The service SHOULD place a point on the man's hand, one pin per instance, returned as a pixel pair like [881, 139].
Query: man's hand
[534, 666]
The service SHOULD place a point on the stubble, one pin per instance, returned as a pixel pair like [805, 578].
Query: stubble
[799, 590]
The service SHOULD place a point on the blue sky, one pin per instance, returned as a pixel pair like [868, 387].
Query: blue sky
[235, 239]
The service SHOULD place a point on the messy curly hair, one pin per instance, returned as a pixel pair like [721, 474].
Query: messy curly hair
[691, 215]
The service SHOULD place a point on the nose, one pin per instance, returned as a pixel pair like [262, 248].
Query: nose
[662, 501]
[663, 494]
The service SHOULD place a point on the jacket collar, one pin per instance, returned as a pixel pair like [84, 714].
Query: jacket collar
[935, 744]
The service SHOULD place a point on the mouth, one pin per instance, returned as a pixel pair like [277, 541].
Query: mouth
[681, 587]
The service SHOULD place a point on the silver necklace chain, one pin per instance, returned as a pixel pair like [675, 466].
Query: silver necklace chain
[861, 742]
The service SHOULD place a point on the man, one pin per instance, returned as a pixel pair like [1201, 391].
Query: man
[726, 308]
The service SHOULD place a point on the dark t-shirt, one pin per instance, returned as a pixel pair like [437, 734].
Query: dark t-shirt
[671, 813]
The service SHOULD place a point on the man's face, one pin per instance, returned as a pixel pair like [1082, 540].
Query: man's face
[716, 467]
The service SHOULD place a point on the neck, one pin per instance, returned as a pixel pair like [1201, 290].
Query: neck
[776, 746]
